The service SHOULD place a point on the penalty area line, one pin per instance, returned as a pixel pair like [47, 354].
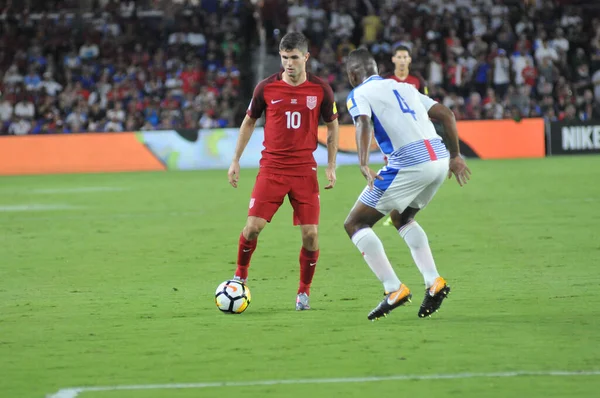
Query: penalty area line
[75, 392]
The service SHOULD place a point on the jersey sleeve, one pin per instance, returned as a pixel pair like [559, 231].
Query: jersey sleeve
[328, 107]
[427, 101]
[257, 104]
[358, 105]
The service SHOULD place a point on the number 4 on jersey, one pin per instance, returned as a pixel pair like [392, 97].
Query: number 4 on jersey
[404, 106]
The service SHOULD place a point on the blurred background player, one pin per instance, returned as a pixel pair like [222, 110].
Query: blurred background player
[418, 163]
[402, 60]
[293, 102]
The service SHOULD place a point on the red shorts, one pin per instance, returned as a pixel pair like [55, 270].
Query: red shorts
[271, 189]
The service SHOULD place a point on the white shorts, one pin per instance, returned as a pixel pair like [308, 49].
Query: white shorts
[412, 186]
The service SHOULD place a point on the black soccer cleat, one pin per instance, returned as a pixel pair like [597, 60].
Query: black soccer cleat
[434, 296]
[391, 301]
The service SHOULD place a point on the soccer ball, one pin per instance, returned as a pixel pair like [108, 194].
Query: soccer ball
[232, 297]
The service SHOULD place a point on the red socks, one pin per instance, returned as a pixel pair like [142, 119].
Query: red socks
[245, 250]
[308, 263]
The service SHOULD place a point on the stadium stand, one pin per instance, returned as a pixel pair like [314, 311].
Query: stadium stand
[484, 59]
[71, 66]
[107, 65]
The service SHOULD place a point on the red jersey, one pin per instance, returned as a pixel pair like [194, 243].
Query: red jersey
[292, 120]
[410, 79]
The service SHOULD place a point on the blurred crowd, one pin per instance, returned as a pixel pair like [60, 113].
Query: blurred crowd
[109, 65]
[485, 59]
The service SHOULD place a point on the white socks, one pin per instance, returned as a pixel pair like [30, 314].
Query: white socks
[416, 239]
[372, 250]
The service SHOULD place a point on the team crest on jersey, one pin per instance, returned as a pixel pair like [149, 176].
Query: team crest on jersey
[311, 101]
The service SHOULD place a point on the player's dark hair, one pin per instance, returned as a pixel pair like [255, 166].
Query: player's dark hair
[401, 47]
[294, 41]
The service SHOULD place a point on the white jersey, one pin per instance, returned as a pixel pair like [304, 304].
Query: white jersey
[401, 123]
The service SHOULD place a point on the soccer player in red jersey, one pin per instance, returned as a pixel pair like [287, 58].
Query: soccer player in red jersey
[402, 60]
[293, 101]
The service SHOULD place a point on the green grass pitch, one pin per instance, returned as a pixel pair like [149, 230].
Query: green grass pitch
[114, 285]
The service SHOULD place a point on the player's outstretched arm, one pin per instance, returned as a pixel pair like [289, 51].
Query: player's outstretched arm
[333, 138]
[363, 143]
[246, 130]
[458, 167]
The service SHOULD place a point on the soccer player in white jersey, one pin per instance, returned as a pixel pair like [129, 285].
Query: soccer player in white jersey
[418, 163]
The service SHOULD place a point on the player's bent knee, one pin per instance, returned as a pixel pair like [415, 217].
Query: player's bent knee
[400, 220]
[253, 227]
[354, 223]
[310, 238]
[309, 234]
[351, 227]
[310, 241]
[400, 223]
[251, 233]
[397, 220]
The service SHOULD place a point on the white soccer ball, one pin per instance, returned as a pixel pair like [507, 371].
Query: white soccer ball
[232, 297]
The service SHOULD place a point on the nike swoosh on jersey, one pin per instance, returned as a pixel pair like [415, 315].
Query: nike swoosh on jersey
[276, 101]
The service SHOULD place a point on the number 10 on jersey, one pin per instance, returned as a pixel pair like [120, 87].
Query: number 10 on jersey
[293, 119]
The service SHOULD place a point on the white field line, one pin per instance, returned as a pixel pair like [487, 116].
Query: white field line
[74, 392]
[36, 207]
[103, 216]
[76, 190]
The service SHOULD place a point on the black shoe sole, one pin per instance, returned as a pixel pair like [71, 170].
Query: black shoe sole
[435, 302]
